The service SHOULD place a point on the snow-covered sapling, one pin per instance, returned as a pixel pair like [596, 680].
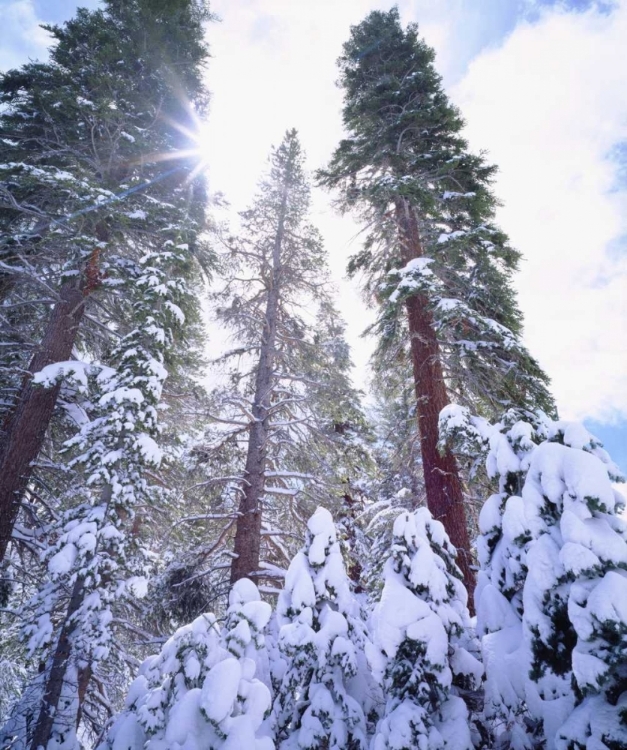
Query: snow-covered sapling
[423, 651]
[552, 587]
[318, 702]
[200, 692]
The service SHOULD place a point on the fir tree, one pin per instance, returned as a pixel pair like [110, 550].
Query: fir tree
[324, 687]
[200, 692]
[434, 261]
[549, 601]
[504, 448]
[574, 617]
[133, 272]
[288, 403]
[94, 552]
[422, 643]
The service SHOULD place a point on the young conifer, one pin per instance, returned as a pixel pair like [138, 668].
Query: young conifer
[321, 697]
[201, 691]
[550, 599]
[422, 643]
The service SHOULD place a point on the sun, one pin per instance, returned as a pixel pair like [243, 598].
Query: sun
[203, 140]
[196, 153]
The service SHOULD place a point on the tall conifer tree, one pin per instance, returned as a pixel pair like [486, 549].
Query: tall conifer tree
[103, 118]
[124, 84]
[288, 404]
[434, 260]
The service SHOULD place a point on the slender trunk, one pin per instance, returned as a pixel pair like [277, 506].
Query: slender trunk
[247, 544]
[25, 427]
[61, 661]
[443, 485]
[84, 678]
[58, 670]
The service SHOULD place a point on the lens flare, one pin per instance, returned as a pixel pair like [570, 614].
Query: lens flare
[195, 133]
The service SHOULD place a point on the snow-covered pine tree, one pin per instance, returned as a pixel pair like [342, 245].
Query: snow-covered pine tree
[137, 287]
[325, 690]
[200, 692]
[574, 618]
[288, 404]
[422, 649]
[94, 550]
[433, 260]
[551, 593]
[84, 182]
[503, 448]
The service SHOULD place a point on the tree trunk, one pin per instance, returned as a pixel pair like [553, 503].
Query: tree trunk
[84, 678]
[60, 662]
[58, 670]
[25, 427]
[443, 485]
[247, 545]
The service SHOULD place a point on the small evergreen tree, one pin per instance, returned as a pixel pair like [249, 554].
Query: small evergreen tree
[423, 651]
[553, 552]
[504, 448]
[574, 596]
[200, 691]
[321, 697]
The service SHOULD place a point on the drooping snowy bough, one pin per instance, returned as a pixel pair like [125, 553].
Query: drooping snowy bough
[423, 651]
[200, 692]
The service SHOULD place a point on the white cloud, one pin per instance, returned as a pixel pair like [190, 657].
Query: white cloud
[549, 104]
[21, 36]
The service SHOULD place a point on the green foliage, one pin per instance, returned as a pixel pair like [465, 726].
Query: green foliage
[97, 189]
[405, 149]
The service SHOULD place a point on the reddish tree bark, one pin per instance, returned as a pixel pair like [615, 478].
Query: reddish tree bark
[25, 427]
[58, 670]
[445, 497]
[247, 544]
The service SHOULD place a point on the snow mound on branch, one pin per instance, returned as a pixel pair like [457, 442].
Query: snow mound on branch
[73, 371]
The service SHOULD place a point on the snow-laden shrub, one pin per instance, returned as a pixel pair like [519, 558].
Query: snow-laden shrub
[324, 686]
[200, 691]
[423, 651]
[552, 591]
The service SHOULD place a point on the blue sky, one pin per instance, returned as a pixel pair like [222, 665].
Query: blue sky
[541, 85]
